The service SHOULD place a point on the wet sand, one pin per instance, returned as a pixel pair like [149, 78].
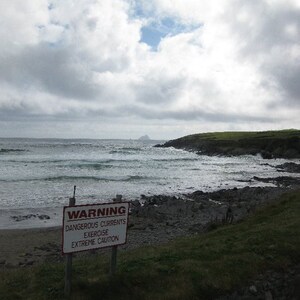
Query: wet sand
[25, 247]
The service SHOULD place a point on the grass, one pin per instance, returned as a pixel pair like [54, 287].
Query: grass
[237, 135]
[199, 267]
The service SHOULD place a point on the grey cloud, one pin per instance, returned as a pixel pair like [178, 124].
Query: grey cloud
[12, 114]
[23, 112]
[267, 27]
[92, 23]
[165, 90]
[218, 117]
[193, 115]
[265, 36]
[159, 90]
[53, 69]
[288, 77]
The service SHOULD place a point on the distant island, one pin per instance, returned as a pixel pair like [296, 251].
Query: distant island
[144, 138]
[270, 144]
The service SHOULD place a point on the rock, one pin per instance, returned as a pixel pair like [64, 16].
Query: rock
[296, 284]
[22, 218]
[2, 262]
[135, 203]
[29, 262]
[291, 153]
[29, 216]
[268, 295]
[289, 167]
[9, 265]
[284, 181]
[195, 208]
[253, 289]
[44, 217]
[266, 155]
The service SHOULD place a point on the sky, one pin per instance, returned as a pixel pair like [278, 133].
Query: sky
[165, 68]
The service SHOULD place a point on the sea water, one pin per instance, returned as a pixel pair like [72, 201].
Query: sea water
[39, 174]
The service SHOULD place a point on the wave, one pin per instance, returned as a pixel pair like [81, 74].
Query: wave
[126, 150]
[84, 143]
[120, 152]
[92, 166]
[4, 151]
[42, 161]
[36, 161]
[176, 159]
[80, 163]
[77, 178]
[54, 144]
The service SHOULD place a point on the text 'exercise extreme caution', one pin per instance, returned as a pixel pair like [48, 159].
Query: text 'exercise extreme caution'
[87, 227]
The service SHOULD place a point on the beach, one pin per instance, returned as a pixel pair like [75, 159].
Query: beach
[172, 192]
[153, 220]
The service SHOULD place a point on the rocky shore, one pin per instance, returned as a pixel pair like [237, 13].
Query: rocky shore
[153, 220]
[165, 217]
[158, 219]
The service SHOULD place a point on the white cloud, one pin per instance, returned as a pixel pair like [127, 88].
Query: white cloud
[237, 64]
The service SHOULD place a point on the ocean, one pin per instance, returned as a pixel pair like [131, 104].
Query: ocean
[38, 175]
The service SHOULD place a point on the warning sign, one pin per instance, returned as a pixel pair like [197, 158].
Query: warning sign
[87, 227]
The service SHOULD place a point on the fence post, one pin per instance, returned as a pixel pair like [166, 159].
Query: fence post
[68, 266]
[114, 250]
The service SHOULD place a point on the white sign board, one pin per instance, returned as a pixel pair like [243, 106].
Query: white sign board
[87, 227]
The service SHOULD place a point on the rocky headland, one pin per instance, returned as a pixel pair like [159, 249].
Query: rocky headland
[270, 144]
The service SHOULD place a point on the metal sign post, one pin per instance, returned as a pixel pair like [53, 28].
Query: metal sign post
[68, 267]
[114, 250]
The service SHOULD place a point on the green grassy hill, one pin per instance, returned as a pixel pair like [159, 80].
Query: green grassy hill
[200, 267]
[270, 144]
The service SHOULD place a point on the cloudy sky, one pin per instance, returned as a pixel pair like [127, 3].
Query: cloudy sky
[166, 68]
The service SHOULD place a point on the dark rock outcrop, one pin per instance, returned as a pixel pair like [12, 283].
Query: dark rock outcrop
[199, 211]
[289, 167]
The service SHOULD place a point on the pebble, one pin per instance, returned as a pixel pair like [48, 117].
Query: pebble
[9, 265]
[253, 289]
[268, 295]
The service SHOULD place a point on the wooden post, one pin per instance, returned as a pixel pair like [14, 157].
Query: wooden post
[68, 267]
[114, 250]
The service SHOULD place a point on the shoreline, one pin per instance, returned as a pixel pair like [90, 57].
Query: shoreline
[161, 219]
[49, 217]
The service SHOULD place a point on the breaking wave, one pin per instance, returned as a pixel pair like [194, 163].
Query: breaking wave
[80, 178]
[5, 151]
